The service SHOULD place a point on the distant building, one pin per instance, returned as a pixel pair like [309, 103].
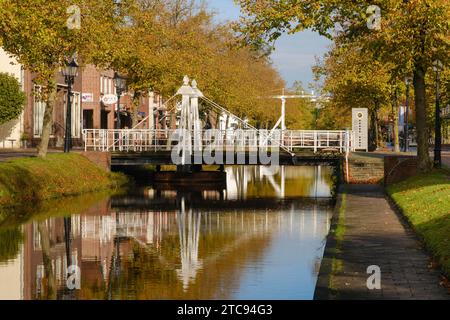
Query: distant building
[11, 132]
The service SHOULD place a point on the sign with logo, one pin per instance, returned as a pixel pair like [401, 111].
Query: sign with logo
[360, 121]
[109, 99]
[87, 97]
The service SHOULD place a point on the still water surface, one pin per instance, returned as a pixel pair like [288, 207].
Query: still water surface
[260, 238]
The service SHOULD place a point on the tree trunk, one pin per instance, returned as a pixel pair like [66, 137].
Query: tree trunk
[42, 148]
[373, 136]
[227, 122]
[379, 136]
[50, 289]
[396, 129]
[423, 147]
[135, 110]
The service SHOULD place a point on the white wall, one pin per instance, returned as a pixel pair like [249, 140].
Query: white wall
[14, 128]
[11, 275]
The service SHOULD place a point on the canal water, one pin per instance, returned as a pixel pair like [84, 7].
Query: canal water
[260, 237]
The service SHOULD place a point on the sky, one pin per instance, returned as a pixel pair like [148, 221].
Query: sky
[294, 54]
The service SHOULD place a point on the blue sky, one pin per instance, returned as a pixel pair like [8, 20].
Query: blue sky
[294, 55]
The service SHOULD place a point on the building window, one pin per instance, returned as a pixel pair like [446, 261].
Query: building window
[110, 82]
[38, 114]
[76, 114]
[101, 84]
[105, 85]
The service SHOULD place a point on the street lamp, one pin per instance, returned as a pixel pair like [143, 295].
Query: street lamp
[437, 68]
[408, 81]
[70, 71]
[121, 86]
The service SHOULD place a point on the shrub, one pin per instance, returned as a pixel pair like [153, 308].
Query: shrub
[12, 98]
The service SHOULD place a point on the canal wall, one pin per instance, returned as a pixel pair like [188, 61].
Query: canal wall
[377, 168]
[399, 168]
[364, 169]
[34, 179]
[102, 159]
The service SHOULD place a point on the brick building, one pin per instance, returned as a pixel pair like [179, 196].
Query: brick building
[88, 111]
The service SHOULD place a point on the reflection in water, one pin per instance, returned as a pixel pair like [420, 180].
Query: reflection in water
[245, 182]
[188, 232]
[162, 244]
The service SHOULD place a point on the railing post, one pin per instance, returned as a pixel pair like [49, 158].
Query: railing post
[291, 141]
[315, 141]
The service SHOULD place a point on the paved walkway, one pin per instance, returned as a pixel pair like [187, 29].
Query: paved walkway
[376, 236]
[9, 154]
[446, 158]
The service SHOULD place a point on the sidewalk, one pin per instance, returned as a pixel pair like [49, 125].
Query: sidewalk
[374, 235]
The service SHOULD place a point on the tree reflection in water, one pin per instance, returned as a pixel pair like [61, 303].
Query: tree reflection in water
[140, 246]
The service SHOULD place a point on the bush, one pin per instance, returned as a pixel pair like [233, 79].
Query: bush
[12, 98]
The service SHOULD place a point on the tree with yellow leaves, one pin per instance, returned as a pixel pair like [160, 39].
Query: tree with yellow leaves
[409, 34]
[44, 34]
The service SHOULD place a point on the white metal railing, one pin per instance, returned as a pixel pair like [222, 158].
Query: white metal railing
[144, 140]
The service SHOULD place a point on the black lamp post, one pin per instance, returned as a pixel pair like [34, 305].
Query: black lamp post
[408, 82]
[70, 71]
[437, 67]
[121, 86]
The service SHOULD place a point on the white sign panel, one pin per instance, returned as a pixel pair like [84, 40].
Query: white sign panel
[87, 97]
[360, 121]
[109, 99]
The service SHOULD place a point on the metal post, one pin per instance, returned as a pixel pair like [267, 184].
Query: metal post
[283, 119]
[315, 141]
[118, 122]
[68, 133]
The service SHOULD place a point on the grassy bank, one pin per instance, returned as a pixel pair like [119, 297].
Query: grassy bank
[58, 175]
[337, 265]
[425, 201]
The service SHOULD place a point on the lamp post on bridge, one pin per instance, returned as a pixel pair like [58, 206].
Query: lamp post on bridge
[70, 71]
[437, 68]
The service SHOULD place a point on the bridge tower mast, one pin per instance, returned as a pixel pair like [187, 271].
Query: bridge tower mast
[190, 125]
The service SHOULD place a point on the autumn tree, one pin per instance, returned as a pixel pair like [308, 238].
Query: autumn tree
[43, 35]
[163, 41]
[409, 34]
[353, 78]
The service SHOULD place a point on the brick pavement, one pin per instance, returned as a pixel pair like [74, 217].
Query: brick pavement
[375, 235]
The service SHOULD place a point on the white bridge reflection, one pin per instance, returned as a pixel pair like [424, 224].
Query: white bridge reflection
[188, 245]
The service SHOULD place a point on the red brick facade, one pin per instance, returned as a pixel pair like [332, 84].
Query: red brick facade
[88, 110]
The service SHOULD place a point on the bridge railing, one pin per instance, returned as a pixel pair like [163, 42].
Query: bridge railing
[137, 140]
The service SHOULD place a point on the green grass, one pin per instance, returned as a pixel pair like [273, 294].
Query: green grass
[337, 265]
[340, 229]
[425, 201]
[30, 180]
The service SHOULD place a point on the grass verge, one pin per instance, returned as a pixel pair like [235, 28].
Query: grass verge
[425, 201]
[28, 180]
[337, 265]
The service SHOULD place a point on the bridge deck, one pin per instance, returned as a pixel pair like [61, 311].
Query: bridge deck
[165, 158]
